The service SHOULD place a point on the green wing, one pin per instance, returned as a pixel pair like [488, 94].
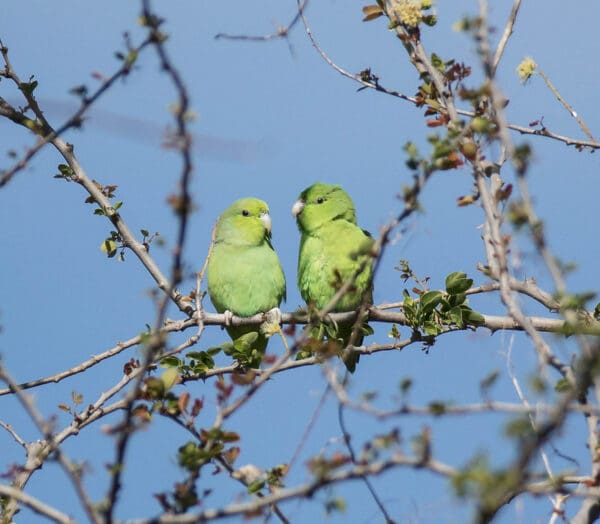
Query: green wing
[330, 257]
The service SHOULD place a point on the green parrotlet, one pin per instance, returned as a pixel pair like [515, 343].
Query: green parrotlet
[333, 250]
[244, 273]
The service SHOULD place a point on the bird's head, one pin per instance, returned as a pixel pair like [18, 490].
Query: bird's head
[245, 222]
[320, 204]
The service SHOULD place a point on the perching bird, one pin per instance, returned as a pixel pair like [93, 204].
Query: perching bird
[333, 250]
[244, 273]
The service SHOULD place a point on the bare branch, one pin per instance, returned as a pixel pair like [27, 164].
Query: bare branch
[506, 34]
[14, 434]
[35, 505]
[282, 31]
[566, 105]
[305, 490]
[348, 442]
[375, 314]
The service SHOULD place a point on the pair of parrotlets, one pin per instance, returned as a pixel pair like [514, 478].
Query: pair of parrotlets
[335, 262]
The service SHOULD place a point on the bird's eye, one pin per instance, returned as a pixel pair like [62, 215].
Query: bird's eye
[246, 213]
[320, 200]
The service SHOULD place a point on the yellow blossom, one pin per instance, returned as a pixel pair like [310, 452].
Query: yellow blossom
[526, 68]
[408, 13]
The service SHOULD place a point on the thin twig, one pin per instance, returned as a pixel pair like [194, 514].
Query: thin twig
[348, 442]
[13, 434]
[309, 427]
[282, 31]
[566, 104]
[36, 505]
[304, 490]
[506, 34]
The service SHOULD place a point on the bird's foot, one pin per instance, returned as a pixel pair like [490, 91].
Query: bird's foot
[228, 316]
[272, 323]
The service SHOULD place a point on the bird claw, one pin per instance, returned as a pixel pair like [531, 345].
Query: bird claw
[272, 322]
[228, 316]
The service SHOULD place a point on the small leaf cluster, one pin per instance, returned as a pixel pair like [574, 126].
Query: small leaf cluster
[379, 446]
[243, 350]
[321, 466]
[65, 172]
[158, 391]
[434, 311]
[109, 192]
[326, 340]
[273, 478]
[193, 455]
[76, 399]
[490, 488]
[194, 362]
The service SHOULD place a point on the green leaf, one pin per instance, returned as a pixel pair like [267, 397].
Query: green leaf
[256, 486]
[131, 58]
[405, 385]
[436, 61]
[457, 300]
[65, 170]
[191, 457]
[538, 384]
[429, 301]
[489, 380]
[170, 362]
[154, 388]
[456, 317]
[169, 378]
[335, 504]
[437, 408]
[245, 342]
[301, 355]
[109, 247]
[432, 328]
[202, 360]
[331, 328]
[366, 330]
[563, 386]
[472, 317]
[458, 283]
[519, 428]
[228, 348]
[28, 87]
[212, 351]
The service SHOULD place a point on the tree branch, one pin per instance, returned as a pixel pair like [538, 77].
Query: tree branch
[35, 505]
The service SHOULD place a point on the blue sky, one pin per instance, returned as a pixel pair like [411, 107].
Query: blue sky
[296, 121]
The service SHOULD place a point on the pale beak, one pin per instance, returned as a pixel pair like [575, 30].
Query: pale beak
[266, 219]
[298, 207]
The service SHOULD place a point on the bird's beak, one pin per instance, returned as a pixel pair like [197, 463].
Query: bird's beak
[298, 207]
[266, 219]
